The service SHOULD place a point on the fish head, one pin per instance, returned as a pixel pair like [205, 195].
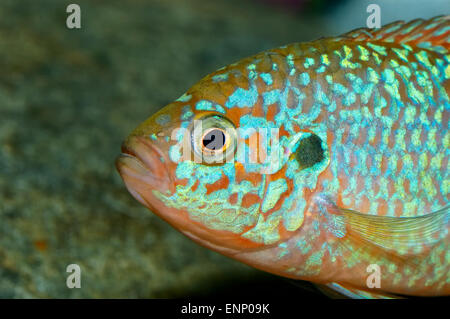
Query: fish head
[216, 170]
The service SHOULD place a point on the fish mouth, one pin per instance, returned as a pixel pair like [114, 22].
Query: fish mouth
[142, 168]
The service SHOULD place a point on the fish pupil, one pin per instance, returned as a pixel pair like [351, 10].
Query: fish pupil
[309, 151]
[214, 139]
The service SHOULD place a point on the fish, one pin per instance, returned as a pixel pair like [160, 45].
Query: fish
[325, 161]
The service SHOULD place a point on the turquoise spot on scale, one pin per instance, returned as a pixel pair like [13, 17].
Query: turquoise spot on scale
[271, 97]
[321, 69]
[349, 99]
[163, 119]
[186, 113]
[303, 79]
[388, 76]
[184, 98]
[174, 153]
[320, 95]
[220, 77]
[308, 62]
[441, 31]
[243, 98]
[339, 89]
[274, 191]
[204, 105]
[267, 78]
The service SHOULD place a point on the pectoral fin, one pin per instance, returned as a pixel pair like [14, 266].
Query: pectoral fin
[402, 235]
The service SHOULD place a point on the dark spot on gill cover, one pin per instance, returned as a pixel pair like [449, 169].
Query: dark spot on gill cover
[309, 151]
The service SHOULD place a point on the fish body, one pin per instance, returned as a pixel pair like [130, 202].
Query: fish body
[330, 160]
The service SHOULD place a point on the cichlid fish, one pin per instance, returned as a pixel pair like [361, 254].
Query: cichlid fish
[325, 161]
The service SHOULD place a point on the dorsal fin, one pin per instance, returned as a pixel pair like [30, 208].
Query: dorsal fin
[433, 34]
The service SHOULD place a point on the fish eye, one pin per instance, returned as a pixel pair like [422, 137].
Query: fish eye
[213, 138]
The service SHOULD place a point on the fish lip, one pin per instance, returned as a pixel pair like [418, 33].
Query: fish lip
[142, 157]
[126, 151]
[129, 151]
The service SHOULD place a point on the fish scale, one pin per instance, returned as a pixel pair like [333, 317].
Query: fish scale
[362, 106]
[359, 173]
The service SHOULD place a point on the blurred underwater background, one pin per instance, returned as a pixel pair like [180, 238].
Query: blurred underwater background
[68, 98]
